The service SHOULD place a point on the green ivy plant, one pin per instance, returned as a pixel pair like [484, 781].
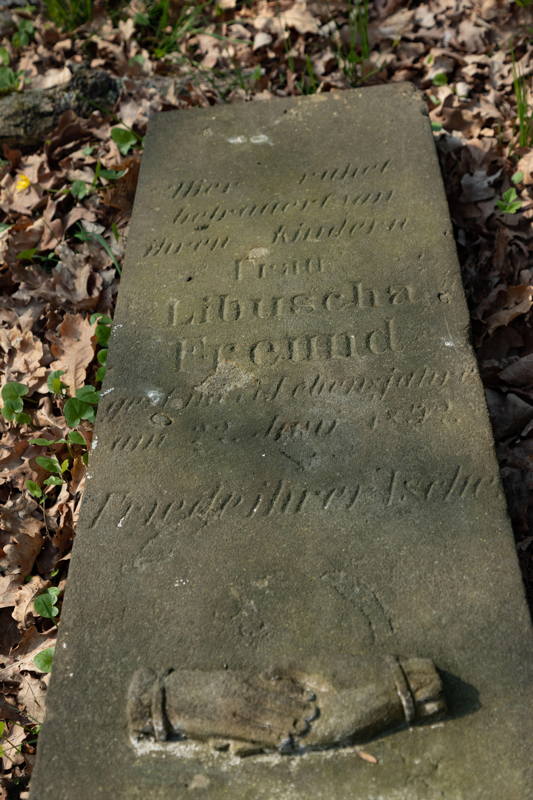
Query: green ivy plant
[125, 139]
[80, 188]
[90, 236]
[80, 407]
[45, 659]
[9, 79]
[45, 604]
[509, 203]
[102, 334]
[24, 33]
[13, 407]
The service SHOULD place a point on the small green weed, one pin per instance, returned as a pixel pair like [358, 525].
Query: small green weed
[68, 14]
[310, 82]
[46, 259]
[359, 23]
[359, 44]
[13, 407]
[45, 659]
[24, 33]
[509, 202]
[80, 189]
[9, 79]
[90, 236]
[161, 33]
[102, 333]
[45, 604]
[125, 139]
[440, 79]
[51, 463]
[523, 110]
[82, 406]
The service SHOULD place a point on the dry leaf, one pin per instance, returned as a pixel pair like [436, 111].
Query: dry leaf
[21, 658]
[31, 695]
[509, 413]
[520, 372]
[24, 611]
[518, 301]
[9, 586]
[478, 186]
[23, 356]
[300, 18]
[74, 350]
[525, 166]
[11, 745]
[261, 39]
[52, 77]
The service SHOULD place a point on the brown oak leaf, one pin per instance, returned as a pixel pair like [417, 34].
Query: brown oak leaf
[74, 349]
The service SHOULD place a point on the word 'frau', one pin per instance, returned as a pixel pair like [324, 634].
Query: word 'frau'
[253, 268]
[305, 347]
[225, 308]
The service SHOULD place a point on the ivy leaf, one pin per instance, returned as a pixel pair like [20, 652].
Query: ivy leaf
[51, 464]
[88, 394]
[124, 139]
[45, 605]
[55, 384]
[75, 437]
[8, 80]
[108, 174]
[47, 442]
[44, 660]
[72, 411]
[80, 189]
[34, 489]
[99, 317]
[53, 480]
[12, 391]
[75, 410]
[27, 255]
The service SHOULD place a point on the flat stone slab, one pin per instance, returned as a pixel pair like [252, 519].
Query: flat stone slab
[294, 510]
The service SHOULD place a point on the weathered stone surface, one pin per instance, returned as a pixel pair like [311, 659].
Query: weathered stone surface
[294, 480]
[29, 116]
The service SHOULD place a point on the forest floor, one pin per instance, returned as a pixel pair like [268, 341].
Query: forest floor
[74, 107]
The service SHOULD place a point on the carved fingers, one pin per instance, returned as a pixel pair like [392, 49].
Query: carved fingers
[253, 708]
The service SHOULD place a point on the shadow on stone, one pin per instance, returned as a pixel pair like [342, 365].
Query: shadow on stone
[462, 697]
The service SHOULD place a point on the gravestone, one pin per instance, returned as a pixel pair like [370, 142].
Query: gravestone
[294, 557]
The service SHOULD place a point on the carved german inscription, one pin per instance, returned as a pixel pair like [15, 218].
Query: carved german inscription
[293, 539]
